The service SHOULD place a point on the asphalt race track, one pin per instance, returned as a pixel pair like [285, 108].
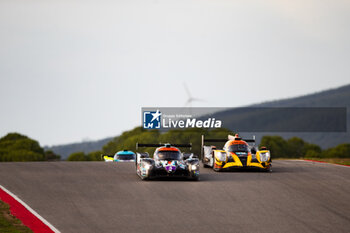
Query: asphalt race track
[297, 196]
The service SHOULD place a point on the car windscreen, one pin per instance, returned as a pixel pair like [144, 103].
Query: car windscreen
[126, 157]
[238, 148]
[169, 155]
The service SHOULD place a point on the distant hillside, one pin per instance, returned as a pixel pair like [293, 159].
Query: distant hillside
[66, 149]
[337, 97]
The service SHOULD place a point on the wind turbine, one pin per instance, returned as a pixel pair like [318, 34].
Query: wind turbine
[190, 98]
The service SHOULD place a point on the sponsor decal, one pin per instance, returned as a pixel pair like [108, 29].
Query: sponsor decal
[155, 119]
[192, 123]
[151, 119]
[246, 119]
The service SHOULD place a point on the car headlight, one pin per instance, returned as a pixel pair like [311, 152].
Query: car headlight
[194, 167]
[264, 156]
[147, 166]
[222, 156]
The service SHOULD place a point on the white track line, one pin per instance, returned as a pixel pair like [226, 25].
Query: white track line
[30, 210]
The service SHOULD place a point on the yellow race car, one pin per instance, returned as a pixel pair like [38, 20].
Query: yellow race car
[236, 153]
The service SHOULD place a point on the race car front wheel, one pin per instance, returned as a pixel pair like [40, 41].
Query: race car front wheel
[196, 178]
[269, 169]
[205, 165]
[213, 161]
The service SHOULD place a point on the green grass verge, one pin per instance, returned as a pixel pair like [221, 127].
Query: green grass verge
[342, 161]
[8, 223]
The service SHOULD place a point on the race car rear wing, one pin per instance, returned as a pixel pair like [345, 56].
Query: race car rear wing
[163, 144]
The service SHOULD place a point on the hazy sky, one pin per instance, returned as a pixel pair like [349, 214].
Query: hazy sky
[83, 69]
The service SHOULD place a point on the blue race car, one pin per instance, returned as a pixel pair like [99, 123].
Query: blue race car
[121, 156]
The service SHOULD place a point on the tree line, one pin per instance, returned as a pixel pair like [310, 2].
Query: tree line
[297, 148]
[280, 148]
[15, 147]
[128, 139]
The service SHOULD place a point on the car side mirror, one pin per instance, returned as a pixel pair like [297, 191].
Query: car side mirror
[253, 150]
[143, 155]
[186, 155]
